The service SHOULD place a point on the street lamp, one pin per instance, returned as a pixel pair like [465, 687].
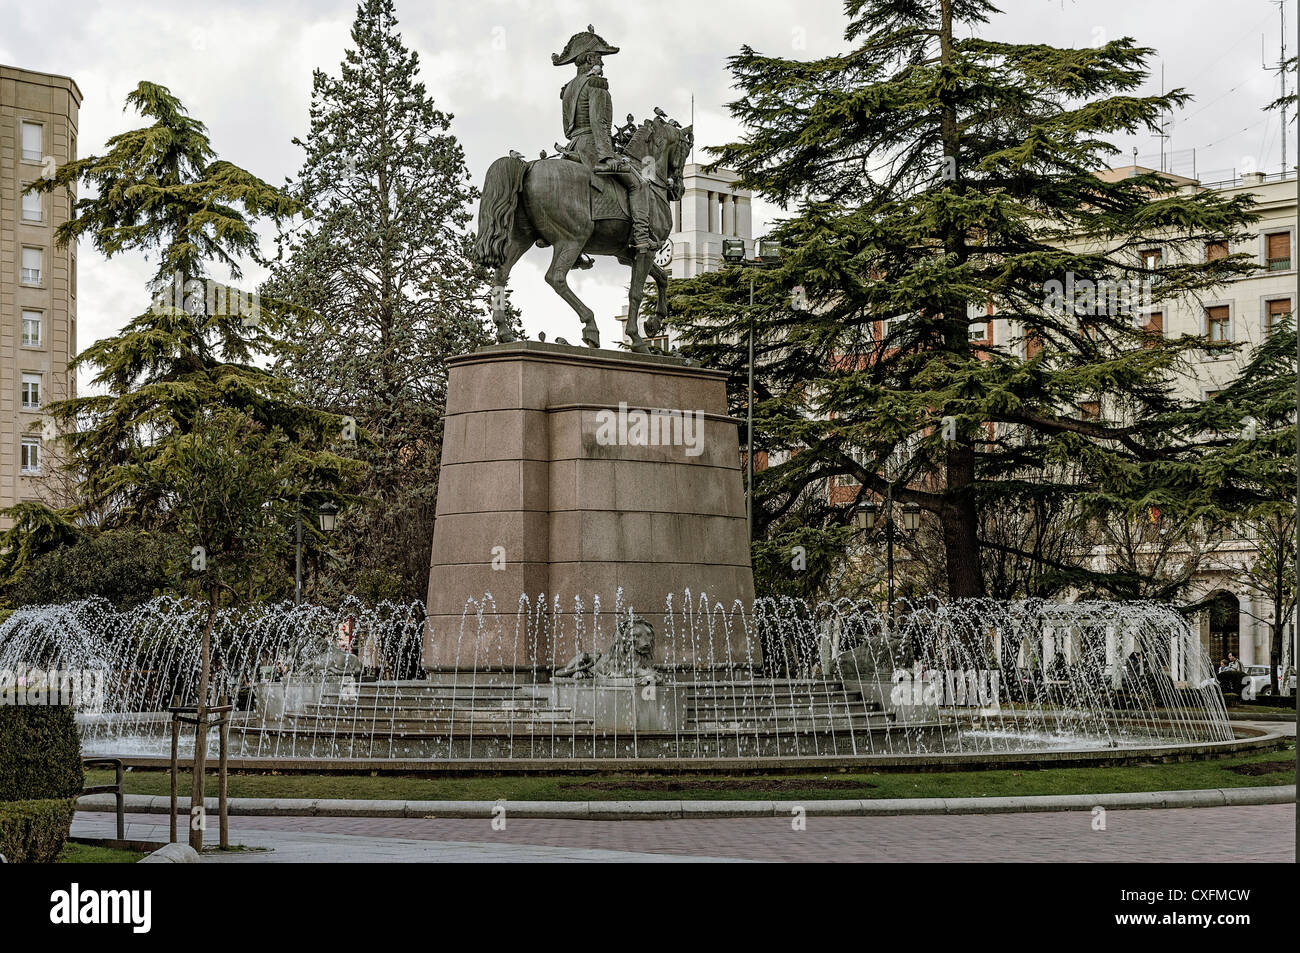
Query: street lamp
[769, 256]
[869, 517]
[327, 516]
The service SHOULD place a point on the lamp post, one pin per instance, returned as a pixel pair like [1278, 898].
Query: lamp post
[297, 554]
[868, 519]
[769, 256]
[326, 519]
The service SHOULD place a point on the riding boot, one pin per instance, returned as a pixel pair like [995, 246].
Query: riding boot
[638, 201]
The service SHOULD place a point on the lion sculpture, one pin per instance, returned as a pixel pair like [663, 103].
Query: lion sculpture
[631, 656]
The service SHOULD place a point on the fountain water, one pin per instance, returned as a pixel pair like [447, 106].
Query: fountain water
[834, 678]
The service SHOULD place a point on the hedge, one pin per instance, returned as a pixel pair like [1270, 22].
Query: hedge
[40, 753]
[33, 832]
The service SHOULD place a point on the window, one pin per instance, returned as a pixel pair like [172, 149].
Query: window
[1216, 250]
[33, 142]
[1275, 312]
[32, 211]
[1149, 258]
[1033, 344]
[1277, 251]
[31, 455]
[1090, 409]
[31, 391]
[979, 331]
[1218, 323]
[33, 266]
[1154, 328]
[31, 332]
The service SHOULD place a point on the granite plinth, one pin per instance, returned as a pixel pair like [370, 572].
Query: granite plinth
[573, 473]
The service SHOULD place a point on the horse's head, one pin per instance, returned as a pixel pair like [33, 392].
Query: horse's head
[679, 152]
[663, 147]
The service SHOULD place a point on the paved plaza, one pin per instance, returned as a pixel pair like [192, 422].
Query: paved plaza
[1249, 833]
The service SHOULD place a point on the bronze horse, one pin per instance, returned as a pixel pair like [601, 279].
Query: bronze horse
[549, 202]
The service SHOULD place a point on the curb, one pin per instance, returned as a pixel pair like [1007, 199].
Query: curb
[661, 810]
[1261, 716]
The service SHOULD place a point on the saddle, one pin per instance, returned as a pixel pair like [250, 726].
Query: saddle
[608, 199]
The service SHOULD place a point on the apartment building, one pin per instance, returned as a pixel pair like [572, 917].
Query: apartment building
[38, 281]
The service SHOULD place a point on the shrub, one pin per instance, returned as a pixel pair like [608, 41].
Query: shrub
[40, 753]
[126, 567]
[33, 832]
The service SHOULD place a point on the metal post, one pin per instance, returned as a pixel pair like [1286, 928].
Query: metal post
[889, 550]
[297, 559]
[119, 799]
[749, 417]
[176, 738]
[223, 734]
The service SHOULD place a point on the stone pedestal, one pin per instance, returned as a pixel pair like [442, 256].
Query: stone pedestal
[571, 472]
[621, 704]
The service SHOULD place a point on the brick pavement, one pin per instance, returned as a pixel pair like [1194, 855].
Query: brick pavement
[1254, 833]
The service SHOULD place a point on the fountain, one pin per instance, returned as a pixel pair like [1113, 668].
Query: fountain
[834, 679]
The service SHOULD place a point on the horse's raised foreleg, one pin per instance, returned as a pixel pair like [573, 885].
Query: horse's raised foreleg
[557, 276]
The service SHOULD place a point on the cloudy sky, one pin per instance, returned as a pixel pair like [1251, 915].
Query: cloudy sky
[244, 68]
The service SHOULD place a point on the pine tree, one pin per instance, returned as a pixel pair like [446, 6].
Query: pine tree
[932, 177]
[186, 428]
[160, 189]
[385, 264]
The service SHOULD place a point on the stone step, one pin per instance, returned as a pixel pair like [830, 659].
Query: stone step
[495, 715]
[334, 699]
[371, 690]
[431, 726]
[763, 691]
[785, 725]
[762, 704]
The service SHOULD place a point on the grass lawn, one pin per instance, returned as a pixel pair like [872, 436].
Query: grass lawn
[93, 854]
[1266, 768]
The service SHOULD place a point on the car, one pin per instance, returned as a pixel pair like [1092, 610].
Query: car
[1257, 683]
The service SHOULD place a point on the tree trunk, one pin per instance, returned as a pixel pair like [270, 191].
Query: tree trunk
[960, 513]
[201, 728]
[961, 525]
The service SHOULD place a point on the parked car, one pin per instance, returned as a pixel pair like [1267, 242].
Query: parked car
[1256, 683]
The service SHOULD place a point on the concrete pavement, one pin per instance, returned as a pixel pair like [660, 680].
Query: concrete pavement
[1208, 834]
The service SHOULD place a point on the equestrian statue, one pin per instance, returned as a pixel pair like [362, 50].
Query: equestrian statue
[608, 192]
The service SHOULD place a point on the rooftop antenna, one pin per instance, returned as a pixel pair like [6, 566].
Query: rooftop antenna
[1280, 69]
[1165, 123]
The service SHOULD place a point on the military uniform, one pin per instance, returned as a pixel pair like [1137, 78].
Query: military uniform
[588, 114]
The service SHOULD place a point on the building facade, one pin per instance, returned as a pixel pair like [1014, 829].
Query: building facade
[1243, 311]
[38, 281]
[712, 208]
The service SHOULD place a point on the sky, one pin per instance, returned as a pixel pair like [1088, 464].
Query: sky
[244, 68]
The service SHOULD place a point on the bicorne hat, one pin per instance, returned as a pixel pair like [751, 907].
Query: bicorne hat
[581, 44]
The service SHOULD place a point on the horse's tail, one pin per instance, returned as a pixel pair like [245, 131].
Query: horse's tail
[496, 211]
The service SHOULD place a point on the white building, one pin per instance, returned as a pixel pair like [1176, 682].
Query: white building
[712, 208]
